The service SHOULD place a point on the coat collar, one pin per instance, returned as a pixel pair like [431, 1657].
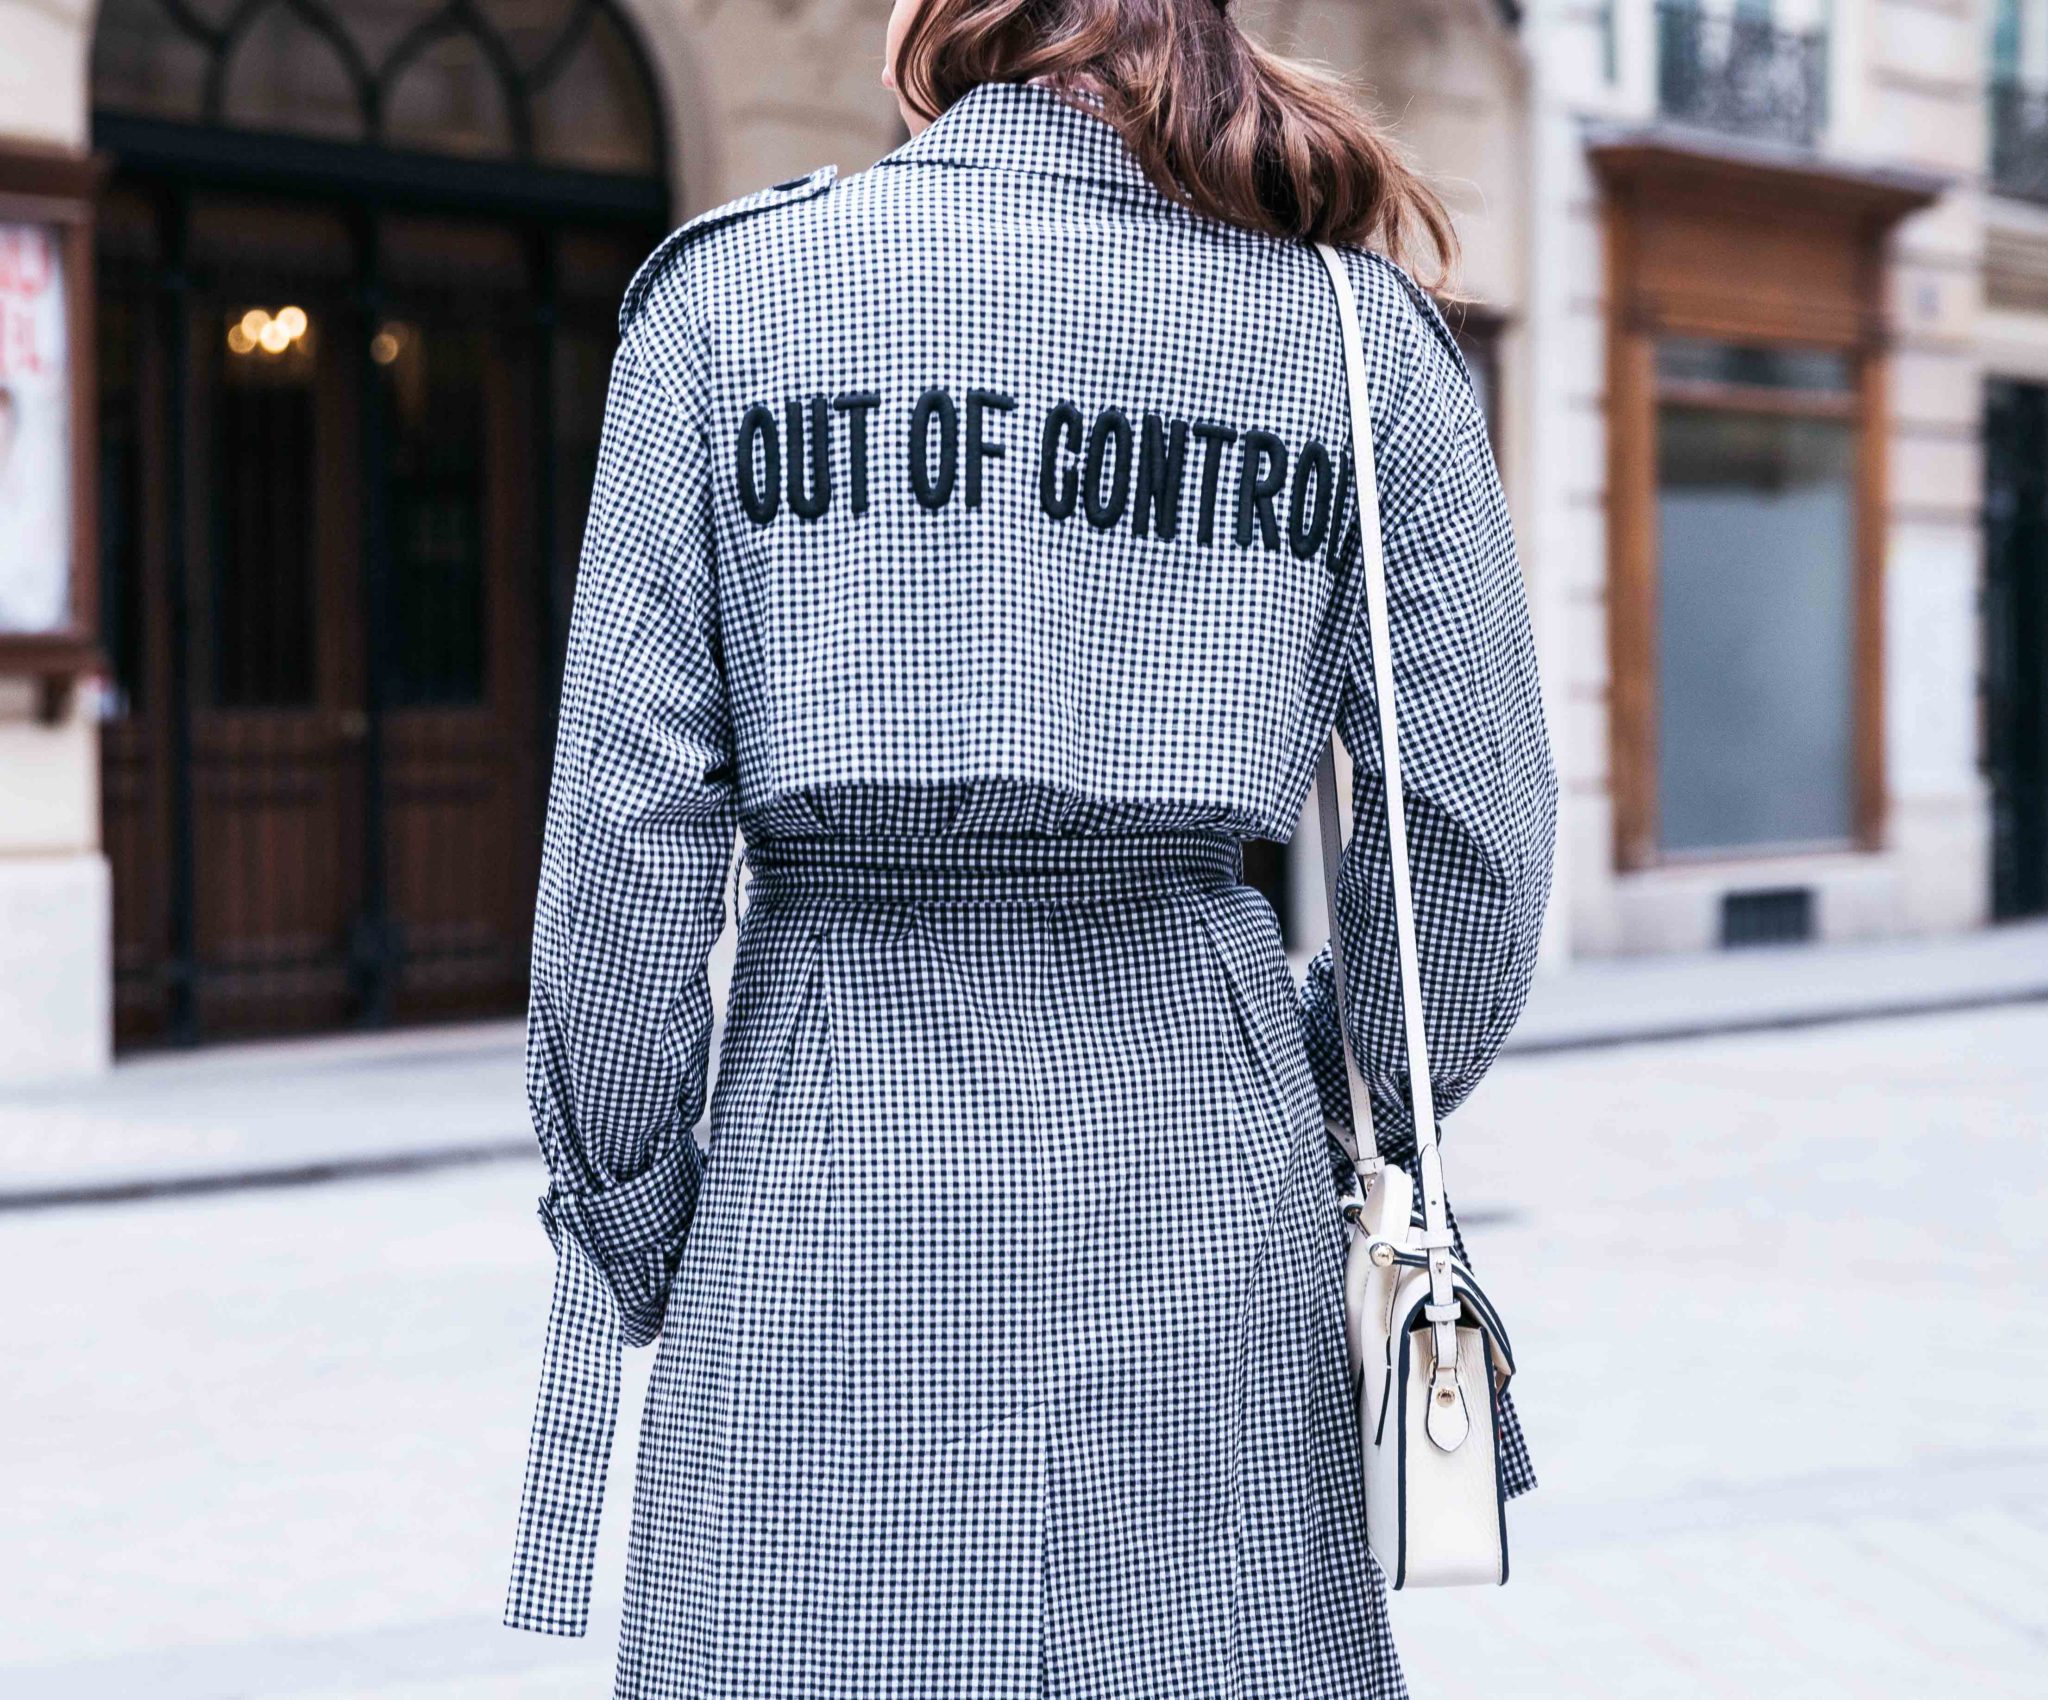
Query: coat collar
[1023, 127]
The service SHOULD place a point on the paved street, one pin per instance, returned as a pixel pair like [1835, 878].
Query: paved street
[1792, 1424]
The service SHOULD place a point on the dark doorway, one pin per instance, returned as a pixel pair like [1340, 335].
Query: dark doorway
[2016, 644]
[355, 372]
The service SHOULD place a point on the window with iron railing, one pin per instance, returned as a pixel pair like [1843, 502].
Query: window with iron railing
[2018, 96]
[1739, 70]
[2019, 141]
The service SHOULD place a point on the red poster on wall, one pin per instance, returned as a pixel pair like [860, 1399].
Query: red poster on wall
[35, 433]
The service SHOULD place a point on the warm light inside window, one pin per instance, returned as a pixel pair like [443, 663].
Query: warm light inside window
[270, 333]
[394, 337]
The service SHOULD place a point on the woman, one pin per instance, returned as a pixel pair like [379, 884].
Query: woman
[967, 533]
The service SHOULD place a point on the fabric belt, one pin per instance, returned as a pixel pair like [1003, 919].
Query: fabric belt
[987, 869]
[577, 1410]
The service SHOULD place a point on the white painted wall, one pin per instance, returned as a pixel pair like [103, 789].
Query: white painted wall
[56, 962]
[755, 92]
[44, 46]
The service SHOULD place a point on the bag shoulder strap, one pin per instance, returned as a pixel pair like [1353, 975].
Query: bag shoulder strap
[1429, 1163]
[1330, 827]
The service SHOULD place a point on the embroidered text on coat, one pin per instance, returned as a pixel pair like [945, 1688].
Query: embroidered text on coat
[1154, 474]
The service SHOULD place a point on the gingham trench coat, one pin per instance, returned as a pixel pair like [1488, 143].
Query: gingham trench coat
[974, 535]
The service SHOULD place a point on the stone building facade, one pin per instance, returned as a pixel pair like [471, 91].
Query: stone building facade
[1758, 293]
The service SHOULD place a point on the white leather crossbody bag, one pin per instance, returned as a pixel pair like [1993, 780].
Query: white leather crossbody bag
[1429, 1357]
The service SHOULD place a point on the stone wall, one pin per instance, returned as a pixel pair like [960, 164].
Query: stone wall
[55, 915]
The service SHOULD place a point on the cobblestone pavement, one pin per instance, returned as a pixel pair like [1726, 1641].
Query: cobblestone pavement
[1778, 1299]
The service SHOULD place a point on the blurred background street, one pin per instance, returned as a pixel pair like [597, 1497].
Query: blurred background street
[1778, 1294]
[306, 315]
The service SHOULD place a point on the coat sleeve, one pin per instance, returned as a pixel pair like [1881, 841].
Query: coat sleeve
[640, 830]
[1477, 778]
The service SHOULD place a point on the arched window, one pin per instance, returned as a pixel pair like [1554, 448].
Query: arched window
[544, 82]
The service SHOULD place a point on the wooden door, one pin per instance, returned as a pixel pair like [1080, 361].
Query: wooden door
[136, 825]
[323, 765]
[274, 617]
[465, 649]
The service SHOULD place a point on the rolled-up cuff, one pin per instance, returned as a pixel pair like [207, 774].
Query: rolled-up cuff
[633, 1233]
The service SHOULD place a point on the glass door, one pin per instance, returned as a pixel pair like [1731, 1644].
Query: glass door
[2016, 644]
[1756, 627]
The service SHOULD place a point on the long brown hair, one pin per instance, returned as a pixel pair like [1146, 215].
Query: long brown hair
[1220, 124]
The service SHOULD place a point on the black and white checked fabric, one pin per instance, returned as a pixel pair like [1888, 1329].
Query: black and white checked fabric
[1000, 1346]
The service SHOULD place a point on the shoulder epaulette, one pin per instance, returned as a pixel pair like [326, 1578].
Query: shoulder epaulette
[776, 195]
[1432, 314]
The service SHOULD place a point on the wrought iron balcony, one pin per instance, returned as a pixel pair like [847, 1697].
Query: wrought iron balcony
[1740, 74]
[2019, 141]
